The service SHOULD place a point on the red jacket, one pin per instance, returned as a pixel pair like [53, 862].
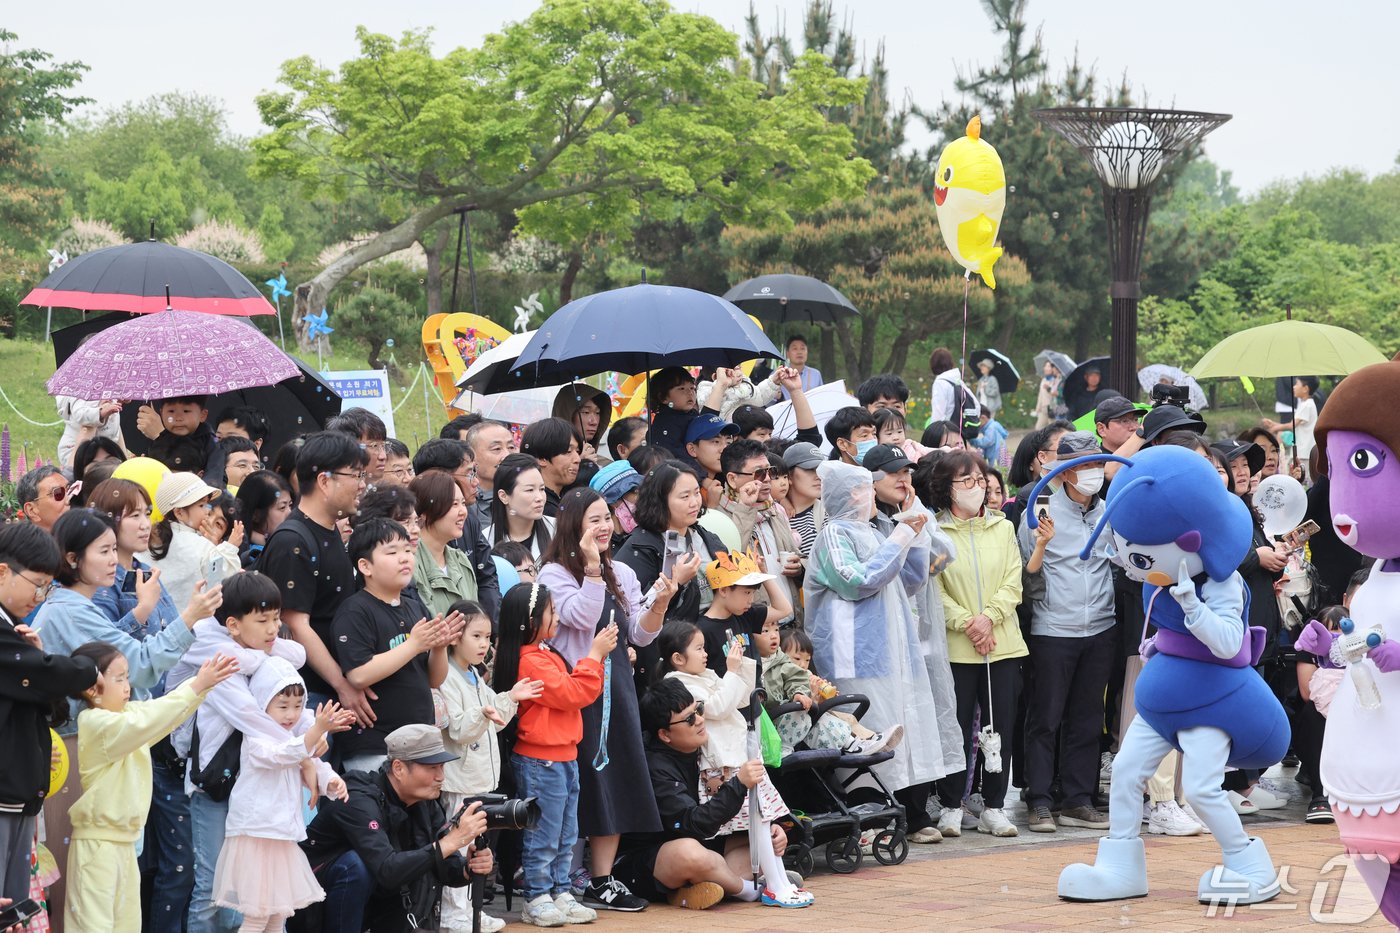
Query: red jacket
[551, 727]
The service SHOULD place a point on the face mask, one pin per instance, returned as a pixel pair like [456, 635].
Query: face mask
[1088, 481]
[969, 500]
[863, 448]
[625, 519]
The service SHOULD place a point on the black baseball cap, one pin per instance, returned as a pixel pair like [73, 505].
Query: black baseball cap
[1165, 418]
[886, 458]
[1114, 407]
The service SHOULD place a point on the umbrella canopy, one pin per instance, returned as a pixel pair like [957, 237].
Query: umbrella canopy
[1078, 396]
[791, 298]
[1060, 361]
[489, 373]
[171, 353]
[1150, 376]
[135, 277]
[825, 400]
[1288, 348]
[1007, 376]
[637, 329]
[523, 406]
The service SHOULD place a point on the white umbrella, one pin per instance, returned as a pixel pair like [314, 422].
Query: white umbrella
[523, 406]
[494, 363]
[826, 400]
[1150, 376]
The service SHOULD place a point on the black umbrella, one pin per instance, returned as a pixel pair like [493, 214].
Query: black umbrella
[149, 277]
[1008, 379]
[787, 298]
[299, 405]
[1079, 395]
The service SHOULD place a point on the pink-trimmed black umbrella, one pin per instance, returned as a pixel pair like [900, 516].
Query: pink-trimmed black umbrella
[148, 277]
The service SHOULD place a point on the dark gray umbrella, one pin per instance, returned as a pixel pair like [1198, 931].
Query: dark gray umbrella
[1003, 370]
[786, 298]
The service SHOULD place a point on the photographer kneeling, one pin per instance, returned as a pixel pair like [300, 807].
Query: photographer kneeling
[379, 856]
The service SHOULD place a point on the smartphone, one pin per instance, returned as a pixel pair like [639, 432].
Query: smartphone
[18, 913]
[1299, 536]
[1042, 506]
[675, 547]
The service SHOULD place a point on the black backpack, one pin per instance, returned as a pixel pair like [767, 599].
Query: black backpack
[967, 411]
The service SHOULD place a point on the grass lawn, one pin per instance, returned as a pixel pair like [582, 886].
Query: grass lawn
[26, 364]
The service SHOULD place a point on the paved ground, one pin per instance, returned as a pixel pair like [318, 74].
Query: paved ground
[980, 883]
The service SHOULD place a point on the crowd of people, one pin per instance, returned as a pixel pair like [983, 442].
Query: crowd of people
[282, 678]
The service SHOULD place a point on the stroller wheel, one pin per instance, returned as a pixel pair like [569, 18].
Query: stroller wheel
[800, 859]
[843, 856]
[891, 847]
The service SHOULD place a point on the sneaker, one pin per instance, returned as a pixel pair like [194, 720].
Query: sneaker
[1264, 799]
[926, 836]
[573, 911]
[578, 881]
[1147, 807]
[1041, 821]
[876, 743]
[867, 841]
[701, 896]
[1106, 768]
[542, 912]
[994, 822]
[972, 809]
[893, 736]
[1168, 819]
[950, 822]
[1320, 811]
[612, 895]
[1186, 808]
[489, 924]
[1086, 817]
[1274, 788]
[1242, 804]
[795, 897]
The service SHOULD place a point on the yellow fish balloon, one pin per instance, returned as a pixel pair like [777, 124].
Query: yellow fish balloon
[969, 193]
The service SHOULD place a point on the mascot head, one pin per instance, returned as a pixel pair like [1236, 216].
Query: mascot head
[1360, 435]
[1167, 504]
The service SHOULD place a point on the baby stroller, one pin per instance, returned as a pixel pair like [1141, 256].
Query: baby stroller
[817, 783]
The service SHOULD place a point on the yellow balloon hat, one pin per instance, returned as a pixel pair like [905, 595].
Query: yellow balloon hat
[146, 473]
[58, 771]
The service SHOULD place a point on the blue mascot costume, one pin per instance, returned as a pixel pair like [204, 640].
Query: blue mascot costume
[1181, 533]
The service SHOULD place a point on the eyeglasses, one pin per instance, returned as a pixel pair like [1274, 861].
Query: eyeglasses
[697, 713]
[64, 493]
[527, 568]
[761, 474]
[41, 590]
[971, 481]
[374, 447]
[361, 475]
[470, 474]
[402, 471]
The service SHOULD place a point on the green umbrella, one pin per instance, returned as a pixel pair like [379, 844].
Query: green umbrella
[1288, 348]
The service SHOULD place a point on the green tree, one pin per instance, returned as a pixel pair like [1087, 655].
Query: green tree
[277, 243]
[880, 252]
[577, 120]
[374, 316]
[32, 94]
[174, 196]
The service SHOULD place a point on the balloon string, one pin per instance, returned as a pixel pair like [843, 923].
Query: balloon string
[967, 287]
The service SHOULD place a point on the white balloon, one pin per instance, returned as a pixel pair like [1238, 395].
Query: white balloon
[1281, 502]
[1135, 168]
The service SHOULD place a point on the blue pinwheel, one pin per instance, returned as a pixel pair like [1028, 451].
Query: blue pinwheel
[316, 325]
[279, 287]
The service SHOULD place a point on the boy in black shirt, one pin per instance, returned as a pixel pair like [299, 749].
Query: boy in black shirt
[386, 644]
[185, 441]
[734, 579]
[306, 558]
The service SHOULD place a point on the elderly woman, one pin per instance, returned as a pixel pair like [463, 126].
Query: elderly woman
[859, 615]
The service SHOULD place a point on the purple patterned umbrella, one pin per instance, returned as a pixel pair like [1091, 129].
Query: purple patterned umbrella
[172, 353]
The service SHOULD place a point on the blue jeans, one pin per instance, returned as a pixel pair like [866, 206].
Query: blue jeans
[169, 850]
[348, 887]
[207, 819]
[549, 847]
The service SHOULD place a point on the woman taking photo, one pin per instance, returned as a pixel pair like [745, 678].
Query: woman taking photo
[981, 590]
[669, 501]
[590, 591]
[264, 500]
[442, 573]
[517, 506]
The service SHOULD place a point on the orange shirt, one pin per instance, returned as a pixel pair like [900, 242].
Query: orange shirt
[551, 727]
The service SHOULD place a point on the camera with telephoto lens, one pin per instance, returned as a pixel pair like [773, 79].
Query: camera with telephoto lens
[1164, 393]
[501, 812]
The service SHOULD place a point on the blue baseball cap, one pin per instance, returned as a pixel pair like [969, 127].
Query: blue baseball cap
[708, 425]
[615, 480]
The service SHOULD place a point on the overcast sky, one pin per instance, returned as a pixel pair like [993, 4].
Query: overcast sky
[1309, 89]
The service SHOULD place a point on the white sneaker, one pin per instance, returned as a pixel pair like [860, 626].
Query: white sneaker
[876, 743]
[1262, 798]
[1168, 819]
[972, 809]
[926, 836]
[893, 736]
[541, 912]
[1274, 788]
[1186, 808]
[950, 822]
[1242, 804]
[489, 924]
[993, 820]
[573, 911]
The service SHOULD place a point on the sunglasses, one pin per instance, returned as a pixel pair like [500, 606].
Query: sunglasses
[698, 713]
[64, 493]
[761, 474]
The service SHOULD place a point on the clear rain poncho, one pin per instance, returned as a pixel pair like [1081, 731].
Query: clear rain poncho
[861, 621]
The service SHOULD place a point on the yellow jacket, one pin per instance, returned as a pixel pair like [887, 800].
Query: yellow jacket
[114, 762]
[985, 578]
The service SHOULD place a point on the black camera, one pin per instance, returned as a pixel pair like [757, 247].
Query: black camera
[501, 812]
[1164, 393]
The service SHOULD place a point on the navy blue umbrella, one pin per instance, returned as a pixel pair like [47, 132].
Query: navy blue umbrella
[633, 330]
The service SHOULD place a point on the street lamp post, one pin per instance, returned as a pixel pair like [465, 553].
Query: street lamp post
[1128, 148]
